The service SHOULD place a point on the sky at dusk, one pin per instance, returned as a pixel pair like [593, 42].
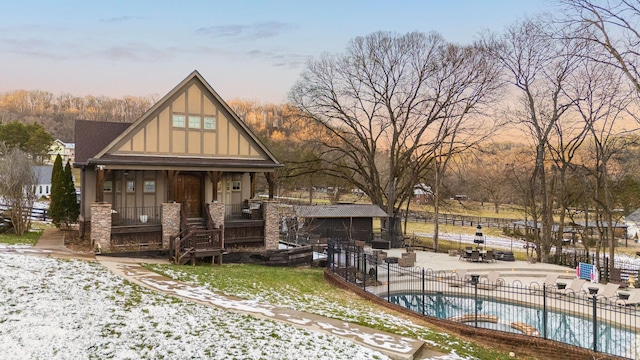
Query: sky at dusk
[252, 50]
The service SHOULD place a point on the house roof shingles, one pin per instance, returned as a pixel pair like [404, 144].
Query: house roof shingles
[340, 211]
[88, 143]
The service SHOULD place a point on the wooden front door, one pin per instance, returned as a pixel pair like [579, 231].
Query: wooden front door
[188, 191]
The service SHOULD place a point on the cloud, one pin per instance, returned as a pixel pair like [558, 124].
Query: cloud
[135, 52]
[279, 58]
[32, 47]
[260, 30]
[122, 19]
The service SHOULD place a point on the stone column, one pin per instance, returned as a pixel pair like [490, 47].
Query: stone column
[216, 209]
[271, 225]
[170, 222]
[101, 226]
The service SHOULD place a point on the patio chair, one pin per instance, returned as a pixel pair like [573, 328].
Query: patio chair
[465, 255]
[574, 288]
[491, 281]
[489, 256]
[609, 290]
[475, 256]
[548, 282]
[458, 278]
[634, 299]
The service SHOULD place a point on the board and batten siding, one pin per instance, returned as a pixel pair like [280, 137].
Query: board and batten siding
[158, 136]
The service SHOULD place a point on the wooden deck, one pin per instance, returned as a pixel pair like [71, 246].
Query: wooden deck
[193, 244]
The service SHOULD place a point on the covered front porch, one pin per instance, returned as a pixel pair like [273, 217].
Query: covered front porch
[144, 208]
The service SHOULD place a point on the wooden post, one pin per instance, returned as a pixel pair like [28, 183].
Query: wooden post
[215, 178]
[171, 177]
[100, 183]
[271, 180]
[252, 176]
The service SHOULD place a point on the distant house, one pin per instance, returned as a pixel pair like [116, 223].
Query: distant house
[633, 225]
[67, 151]
[347, 221]
[422, 194]
[43, 176]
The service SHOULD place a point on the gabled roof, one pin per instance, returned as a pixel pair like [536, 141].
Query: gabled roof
[43, 174]
[103, 156]
[633, 217]
[340, 211]
[88, 144]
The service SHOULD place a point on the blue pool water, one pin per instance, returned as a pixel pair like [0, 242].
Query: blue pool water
[564, 328]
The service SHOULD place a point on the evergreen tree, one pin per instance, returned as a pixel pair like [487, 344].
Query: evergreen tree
[56, 203]
[71, 207]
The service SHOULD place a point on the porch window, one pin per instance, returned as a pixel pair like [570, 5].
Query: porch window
[194, 122]
[107, 186]
[178, 120]
[131, 186]
[209, 123]
[150, 186]
[235, 186]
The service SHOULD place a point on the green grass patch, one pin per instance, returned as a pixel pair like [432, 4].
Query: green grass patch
[305, 289]
[29, 238]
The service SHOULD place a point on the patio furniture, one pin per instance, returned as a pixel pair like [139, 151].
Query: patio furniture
[465, 255]
[475, 256]
[548, 282]
[627, 298]
[408, 259]
[507, 256]
[574, 288]
[491, 281]
[489, 256]
[608, 291]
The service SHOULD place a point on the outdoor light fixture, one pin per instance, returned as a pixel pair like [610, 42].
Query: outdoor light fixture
[474, 279]
[478, 238]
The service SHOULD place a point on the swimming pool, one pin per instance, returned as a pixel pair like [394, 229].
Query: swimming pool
[562, 327]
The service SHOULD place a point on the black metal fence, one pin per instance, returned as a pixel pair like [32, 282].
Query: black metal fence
[607, 325]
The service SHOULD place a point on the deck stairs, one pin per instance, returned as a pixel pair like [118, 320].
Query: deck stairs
[198, 238]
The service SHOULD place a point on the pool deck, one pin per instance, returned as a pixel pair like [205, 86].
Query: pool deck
[510, 271]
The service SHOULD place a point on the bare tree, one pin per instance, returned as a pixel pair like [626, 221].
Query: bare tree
[612, 26]
[539, 66]
[17, 187]
[601, 102]
[383, 102]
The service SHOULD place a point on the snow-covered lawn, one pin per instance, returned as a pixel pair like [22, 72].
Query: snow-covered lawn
[353, 310]
[55, 309]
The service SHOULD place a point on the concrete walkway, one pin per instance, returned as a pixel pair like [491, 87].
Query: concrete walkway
[52, 242]
[396, 347]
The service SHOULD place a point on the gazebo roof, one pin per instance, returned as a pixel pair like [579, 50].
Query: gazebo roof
[340, 211]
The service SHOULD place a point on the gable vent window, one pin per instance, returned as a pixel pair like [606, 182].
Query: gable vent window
[178, 120]
[209, 123]
[194, 122]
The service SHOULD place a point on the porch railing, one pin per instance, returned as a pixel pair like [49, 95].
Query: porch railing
[140, 215]
[248, 211]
